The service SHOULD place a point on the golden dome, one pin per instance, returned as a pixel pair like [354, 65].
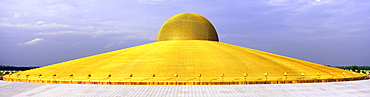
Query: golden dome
[187, 26]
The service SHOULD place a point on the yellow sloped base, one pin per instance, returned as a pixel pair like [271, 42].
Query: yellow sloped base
[187, 59]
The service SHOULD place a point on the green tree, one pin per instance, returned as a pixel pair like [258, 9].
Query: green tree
[354, 68]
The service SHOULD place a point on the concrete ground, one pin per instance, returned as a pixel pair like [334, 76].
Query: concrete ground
[348, 88]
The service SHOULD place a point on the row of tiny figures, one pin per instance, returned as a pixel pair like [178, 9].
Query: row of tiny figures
[199, 75]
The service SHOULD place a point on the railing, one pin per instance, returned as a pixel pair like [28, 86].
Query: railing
[178, 80]
[265, 78]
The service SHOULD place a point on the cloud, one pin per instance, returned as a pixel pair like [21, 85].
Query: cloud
[94, 36]
[277, 2]
[19, 15]
[76, 44]
[113, 44]
[34, 41]
[95, 32]
[16, 15]
[152, 1]
[318, 2]
[37, 25]
[109, 45]
[40, 23]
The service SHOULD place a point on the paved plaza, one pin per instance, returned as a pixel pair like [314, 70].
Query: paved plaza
[348, 88]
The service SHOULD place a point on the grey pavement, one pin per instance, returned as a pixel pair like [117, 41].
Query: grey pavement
[345, 89]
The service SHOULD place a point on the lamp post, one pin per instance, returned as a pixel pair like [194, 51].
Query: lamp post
[245, 77]
[332, 75]
[131, 77]
[27, 78]
[109, 77]
[222, 76]
[71, 77]
[88, 77]
[54, 76]
[39, 76]
[286, 75]
[153, 77]
[266, 75]
[176, 75]
[199, 75]
[344, 74]
[318, 75]
[18, 75]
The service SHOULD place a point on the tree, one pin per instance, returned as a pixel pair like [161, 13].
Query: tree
[354, 68]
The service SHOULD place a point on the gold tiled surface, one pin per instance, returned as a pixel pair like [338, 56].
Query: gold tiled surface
[187, 59]
[187, 26]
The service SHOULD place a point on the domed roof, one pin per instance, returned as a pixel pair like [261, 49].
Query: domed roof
[187, 26]
[193, 56]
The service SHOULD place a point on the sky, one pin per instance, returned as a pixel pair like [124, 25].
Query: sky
[45, 32]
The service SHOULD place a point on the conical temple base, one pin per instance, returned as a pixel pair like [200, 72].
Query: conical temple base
[181, 62]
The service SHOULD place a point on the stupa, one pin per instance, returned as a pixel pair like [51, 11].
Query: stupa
[187, 52]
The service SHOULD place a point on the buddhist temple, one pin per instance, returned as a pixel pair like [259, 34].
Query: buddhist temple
[187, 52]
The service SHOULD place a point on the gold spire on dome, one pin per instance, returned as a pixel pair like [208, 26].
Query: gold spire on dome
[187, 26]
